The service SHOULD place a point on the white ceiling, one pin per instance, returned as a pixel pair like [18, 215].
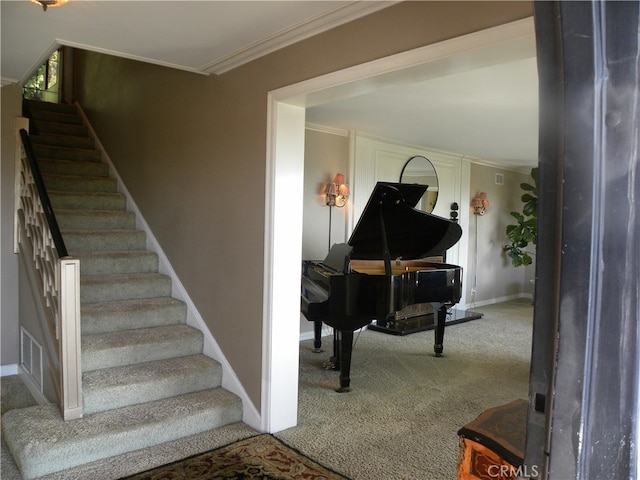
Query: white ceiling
[201, 36]
[487, 112]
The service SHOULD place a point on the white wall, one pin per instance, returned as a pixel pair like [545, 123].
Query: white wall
[382, 160]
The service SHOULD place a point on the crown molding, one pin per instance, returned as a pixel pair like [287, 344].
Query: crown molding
[115, 53]
[488, 163]
[318, 24]
[4, 81]
[327, 129]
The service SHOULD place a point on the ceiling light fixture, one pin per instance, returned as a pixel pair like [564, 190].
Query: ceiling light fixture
[49, 3]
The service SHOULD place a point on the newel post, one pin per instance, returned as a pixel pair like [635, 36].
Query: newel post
[69, 337]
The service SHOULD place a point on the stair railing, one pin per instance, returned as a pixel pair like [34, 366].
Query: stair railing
[59, 274]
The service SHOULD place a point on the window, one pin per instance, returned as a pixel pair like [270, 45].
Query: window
[43, 85]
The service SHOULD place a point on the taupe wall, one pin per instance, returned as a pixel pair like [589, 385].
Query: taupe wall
[490, 271]
[325, 154]
[10, 108]
[191, 150]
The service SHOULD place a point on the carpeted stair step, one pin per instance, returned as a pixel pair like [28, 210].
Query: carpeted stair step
[50, 116]
[122, 262]
[118, 387]
[109, 288]
[88, 201]
[69, 141]
[39, 105]
[105, 240]
[95, 219]
[145, 378]
[130, 347]
[65, 153]
[42, 442]
[69, 167]
[103, 317]
[80, 183]
[49, 128]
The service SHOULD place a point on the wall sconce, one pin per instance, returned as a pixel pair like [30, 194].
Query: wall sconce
[337, 192]
[480, 204]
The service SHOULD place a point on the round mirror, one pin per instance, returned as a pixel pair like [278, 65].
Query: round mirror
[420, 170]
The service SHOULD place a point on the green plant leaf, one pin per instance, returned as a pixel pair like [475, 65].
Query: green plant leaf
[530, 208]
[518, 216]
[525, 231]
[534, 174]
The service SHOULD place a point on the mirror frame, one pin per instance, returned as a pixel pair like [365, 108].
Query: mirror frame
[435, 173]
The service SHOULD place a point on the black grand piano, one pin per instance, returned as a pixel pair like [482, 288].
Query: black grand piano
[390, 269]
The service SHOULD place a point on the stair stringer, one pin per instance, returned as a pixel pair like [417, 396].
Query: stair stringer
[250, 414]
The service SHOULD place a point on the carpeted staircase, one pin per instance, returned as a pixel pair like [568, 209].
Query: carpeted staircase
[145, 379]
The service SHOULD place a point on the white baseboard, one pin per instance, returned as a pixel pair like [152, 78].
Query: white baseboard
[230, 381]
[6, 370]
[327, 331]
[307, 336]
[491, 301]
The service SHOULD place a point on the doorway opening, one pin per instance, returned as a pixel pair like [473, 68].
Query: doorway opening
[285, 174]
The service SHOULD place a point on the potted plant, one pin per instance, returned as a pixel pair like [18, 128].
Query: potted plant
[525, 231]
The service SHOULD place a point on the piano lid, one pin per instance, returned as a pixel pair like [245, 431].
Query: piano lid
[410, 233]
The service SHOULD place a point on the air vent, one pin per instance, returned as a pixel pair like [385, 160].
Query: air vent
[31, 357]
[499, 179]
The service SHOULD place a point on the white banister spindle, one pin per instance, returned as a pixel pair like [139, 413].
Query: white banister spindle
[21, 123]
[59, 280]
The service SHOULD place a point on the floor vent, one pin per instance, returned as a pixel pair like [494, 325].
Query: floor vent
[31, 357]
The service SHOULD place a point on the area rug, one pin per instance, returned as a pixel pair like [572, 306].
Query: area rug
[261, 457]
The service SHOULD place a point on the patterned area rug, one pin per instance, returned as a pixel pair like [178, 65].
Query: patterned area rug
[262, 457]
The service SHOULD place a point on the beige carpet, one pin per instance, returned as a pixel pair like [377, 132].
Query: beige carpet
[15, 395]
[401, 418]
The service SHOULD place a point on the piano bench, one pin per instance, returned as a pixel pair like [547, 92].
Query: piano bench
[492, 446]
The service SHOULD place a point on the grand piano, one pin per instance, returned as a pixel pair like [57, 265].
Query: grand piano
[388, 271]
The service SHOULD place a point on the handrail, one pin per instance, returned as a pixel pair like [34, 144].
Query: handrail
[44, 196]
[59, 275]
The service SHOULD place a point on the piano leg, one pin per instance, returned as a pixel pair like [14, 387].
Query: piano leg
[317, 336]
[441, 317]
[334, 361]
[345, 344]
